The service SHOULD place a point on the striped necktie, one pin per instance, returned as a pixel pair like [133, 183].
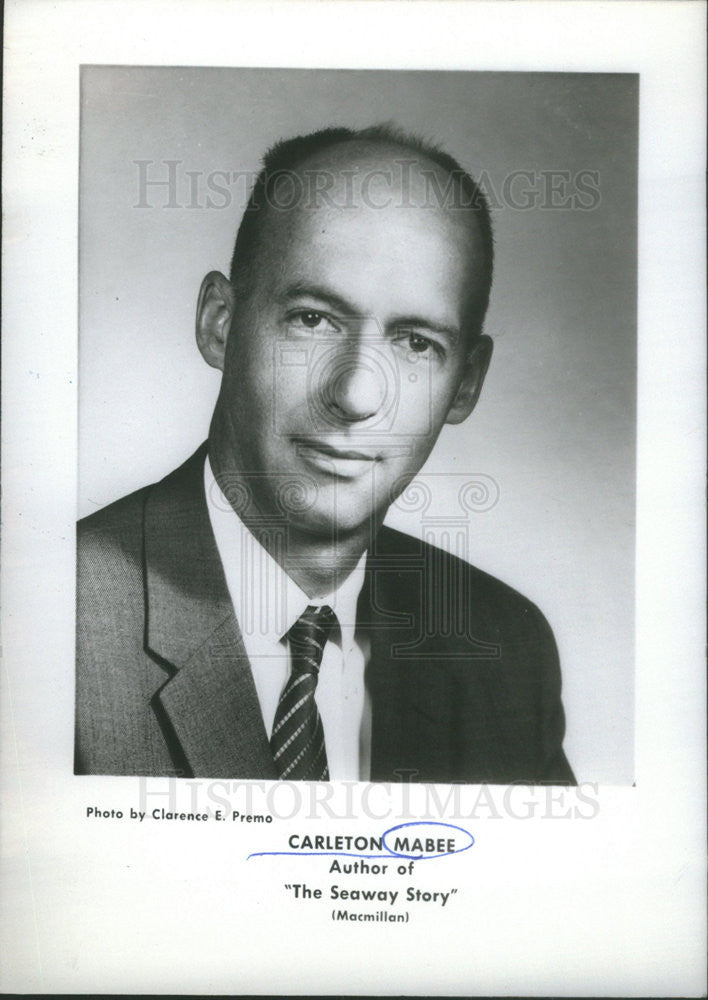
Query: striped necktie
[298, 742]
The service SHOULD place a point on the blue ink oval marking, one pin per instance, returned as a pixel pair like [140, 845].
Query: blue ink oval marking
[388, 852]
[426, 855]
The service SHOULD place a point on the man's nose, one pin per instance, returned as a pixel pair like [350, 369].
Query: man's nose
[355, 388]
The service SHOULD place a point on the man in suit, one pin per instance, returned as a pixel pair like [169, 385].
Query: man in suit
[249, 616]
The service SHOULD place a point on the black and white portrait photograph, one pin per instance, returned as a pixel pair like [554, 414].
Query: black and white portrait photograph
[353, 470]
[412, 471]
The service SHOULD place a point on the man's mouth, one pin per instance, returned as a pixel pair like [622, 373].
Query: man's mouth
[336, 459]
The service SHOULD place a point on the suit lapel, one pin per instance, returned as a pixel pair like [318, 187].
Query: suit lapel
[410, 723]
[210, 697]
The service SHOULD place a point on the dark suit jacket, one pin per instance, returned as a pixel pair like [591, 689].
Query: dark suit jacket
[463, 672]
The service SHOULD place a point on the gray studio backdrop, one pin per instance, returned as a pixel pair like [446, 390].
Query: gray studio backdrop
[550, 448]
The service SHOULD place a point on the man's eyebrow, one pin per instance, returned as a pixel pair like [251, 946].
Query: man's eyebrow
[341, 305]
[334, 301]
[421, 323]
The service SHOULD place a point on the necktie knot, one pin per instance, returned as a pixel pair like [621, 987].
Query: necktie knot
[309, 635]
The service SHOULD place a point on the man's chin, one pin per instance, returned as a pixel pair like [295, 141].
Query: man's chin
[335, 522]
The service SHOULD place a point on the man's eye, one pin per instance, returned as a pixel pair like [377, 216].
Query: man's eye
[417, 343]
[309, 319]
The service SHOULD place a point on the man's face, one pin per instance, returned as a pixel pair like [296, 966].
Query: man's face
[347, 356]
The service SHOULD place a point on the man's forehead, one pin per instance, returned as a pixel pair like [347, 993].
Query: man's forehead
[377, 254]
[361, 185]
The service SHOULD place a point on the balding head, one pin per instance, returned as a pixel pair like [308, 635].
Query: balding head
[375, 170]
[348, 333]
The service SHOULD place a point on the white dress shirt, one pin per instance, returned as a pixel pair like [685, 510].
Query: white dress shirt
[267, 603]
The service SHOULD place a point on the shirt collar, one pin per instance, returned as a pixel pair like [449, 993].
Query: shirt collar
[266, 600]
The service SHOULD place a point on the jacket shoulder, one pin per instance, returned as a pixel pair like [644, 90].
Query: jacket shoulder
[484, 657]
[109, 566]
[489, 600]
[115, 519]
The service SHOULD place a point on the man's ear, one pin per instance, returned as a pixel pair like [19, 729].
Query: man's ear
[215, 309]
[476, 365]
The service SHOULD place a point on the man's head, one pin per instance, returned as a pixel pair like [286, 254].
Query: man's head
[349, 330]
[301, 172]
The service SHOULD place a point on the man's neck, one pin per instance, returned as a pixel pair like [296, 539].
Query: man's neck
[318, 564]
[318, 568]
[318, 561]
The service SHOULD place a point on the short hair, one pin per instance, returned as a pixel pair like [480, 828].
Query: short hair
[286, 156]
